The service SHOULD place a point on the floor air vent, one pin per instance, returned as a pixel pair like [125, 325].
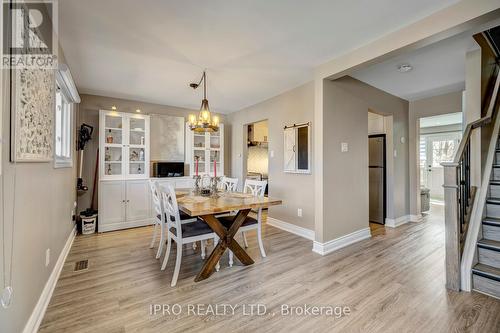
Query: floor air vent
[81, 265]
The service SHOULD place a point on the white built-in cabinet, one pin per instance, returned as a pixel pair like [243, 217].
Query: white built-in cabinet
[124, 204]
[124, 195]
[209, 147]
[123, 145]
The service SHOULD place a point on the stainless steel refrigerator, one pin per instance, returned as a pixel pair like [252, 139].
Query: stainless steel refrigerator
[376, 167]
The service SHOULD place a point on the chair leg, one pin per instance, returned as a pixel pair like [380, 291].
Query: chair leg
[162, 240]
[203, 245]
[167, 252]
[154, 236]
[245, 240]
[259, 238]
[231, 258]
[216, 241]
[177, 265]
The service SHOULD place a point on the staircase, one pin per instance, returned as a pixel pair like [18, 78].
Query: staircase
[486, 273]
[472, 213]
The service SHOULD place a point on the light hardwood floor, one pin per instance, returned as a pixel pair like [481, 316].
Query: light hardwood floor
[393, 282]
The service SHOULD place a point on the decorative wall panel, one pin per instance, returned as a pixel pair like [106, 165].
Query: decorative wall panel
[32, 115]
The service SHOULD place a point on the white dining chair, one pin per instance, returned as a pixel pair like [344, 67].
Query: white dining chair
[160, 219]
[181, 233]
[256, 188]
[229, 184]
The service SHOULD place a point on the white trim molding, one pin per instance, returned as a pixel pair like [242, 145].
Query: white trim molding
[292, 228]
[416, 218]
[394, 223]
[338, 243]
[41, 306]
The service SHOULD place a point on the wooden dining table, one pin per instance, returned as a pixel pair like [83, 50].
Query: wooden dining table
[207, 208]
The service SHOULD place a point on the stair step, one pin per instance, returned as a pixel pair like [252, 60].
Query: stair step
[493, 221]
[489, 244]
[488, 252]
[494, 182]
[493, 201]
[487, 271]
[486, 279]
[496, 166]
[491, 229]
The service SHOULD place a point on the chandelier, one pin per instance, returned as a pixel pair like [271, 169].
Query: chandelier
[205, 122]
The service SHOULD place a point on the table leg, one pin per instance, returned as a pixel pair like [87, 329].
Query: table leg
[226, 241]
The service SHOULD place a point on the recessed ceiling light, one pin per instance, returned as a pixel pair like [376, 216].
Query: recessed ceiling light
[404, 68]
[138, 111]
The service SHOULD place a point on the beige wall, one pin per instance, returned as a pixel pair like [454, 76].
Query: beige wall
[42, 216]
[89, 114]
[432, 106]
[346, 102]
[346, 173]
[296, 190]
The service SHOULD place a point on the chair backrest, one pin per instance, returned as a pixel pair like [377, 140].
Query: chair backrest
[155, 194]
[229, 184]
[169, 201]
[255, 187]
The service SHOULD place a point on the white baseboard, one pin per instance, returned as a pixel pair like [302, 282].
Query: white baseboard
[338, 243]
[292, 228]
[393, 223]
[416, 218]
[41, 306]
[105, 227]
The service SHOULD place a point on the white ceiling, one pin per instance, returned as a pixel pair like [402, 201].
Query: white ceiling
[150, 50]
[442, 120]
[437, 69]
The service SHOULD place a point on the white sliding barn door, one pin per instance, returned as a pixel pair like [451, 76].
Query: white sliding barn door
[289, 150]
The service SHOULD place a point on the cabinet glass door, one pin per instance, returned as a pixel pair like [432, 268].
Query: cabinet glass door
[215, 149]
[137, 146]
[199, 153]
[113, 145]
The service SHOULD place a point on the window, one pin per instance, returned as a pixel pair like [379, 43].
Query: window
[63, 130]
[297, 148]
[442, 151]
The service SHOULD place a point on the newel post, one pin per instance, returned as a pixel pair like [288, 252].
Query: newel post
[452, 228]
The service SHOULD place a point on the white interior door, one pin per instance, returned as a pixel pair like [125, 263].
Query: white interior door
[438, 148]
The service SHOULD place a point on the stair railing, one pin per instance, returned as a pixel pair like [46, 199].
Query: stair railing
[459, 194]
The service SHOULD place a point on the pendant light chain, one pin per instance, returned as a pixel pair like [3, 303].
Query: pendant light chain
[7, 291]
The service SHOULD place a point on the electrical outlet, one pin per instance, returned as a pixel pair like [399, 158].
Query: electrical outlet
[299, 212]
[344, 147]
[47, 257]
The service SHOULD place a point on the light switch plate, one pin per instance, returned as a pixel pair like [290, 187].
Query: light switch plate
[271, 153]
[47, 257]
[344, 147]
[299, 212]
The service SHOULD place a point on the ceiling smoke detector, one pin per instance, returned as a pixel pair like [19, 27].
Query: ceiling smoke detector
[405, 68]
